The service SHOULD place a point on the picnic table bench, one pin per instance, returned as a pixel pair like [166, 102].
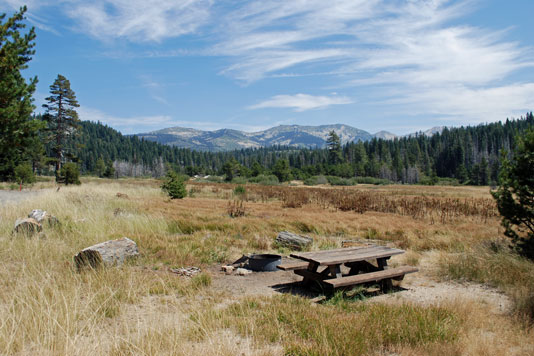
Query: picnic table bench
[366, 264]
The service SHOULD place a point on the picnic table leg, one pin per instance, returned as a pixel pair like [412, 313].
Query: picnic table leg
[335, 271]
[312, 267]
[382, 265]
[361, 266]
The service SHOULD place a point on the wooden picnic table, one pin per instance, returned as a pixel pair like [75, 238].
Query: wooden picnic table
[365, 263]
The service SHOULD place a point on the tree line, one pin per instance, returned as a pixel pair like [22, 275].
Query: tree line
[471, 155]
[57, 143]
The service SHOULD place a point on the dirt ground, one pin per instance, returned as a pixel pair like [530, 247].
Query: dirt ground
[14, 196]
[419, 288]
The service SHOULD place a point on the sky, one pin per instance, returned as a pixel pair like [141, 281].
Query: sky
[394, 65]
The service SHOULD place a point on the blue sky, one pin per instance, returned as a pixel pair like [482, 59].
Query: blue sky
[401, 66]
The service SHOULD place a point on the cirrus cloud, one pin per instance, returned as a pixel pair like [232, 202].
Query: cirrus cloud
[301, 102]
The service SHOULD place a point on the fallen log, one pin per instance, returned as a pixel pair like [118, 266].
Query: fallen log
[27, 226]
[109, 253]
[294, 241]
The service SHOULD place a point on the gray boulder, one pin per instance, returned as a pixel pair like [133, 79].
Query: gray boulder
[109, 253]
[42, 216]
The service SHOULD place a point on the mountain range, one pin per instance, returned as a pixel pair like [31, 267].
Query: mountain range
[284, 135]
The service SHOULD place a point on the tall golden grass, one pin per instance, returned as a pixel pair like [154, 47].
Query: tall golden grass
[48, 308]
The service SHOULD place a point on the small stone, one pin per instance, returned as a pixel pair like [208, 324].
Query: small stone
[228, 269]
[243, 271]
[186, 271]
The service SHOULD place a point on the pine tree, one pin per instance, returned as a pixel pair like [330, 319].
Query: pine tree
[100, 167]
[515, 196]
[174, 185]
[333, 144]
[61, 117]
[17, 128]
[282, 170]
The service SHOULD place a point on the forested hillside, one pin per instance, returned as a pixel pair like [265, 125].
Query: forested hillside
[469, 154]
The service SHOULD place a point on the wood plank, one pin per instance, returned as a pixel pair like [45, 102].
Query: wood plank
[290, 266]
[335, 271]
[313, 276]
[340, 251]
[370, 277]
[359, 257]
[343, 249]
[325, 255]
[327, 260]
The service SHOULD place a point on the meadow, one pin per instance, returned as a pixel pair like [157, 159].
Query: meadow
[472, 296]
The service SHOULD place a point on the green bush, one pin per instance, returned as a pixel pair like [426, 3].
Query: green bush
[239, 180]
[264, 179]
[69, 174]
[371, 180]
[239, 190]
[333, 180]
[174, 185]
[214, 179]
[315, 180]
[24, 174]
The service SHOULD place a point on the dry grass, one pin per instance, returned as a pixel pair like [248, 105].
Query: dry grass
[495, 265]
[46, 307]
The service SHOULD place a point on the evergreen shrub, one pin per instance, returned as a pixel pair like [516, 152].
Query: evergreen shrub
[174, 185]
[69, 174]
[24, 174]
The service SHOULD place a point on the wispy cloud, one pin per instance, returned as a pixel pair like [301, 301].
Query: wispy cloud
[155, 89]
[301, 102]
[126, 125]
[412, 50]
[138, 20]
[416, 51]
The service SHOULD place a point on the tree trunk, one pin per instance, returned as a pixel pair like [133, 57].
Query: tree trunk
[27, 226]
[113, 252]
[294, 241]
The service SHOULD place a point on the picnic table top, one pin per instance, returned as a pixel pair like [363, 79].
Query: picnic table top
[350, 254]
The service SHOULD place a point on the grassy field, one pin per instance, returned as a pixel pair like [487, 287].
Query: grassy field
[452, 233]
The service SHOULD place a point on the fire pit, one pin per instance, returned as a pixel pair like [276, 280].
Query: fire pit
[264, 262]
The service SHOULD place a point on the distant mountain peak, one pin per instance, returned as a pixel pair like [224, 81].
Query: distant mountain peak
[284, 135]
[229, 139]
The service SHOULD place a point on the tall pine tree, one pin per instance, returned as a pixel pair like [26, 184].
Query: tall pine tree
[333, 143]
[61, 117]
[18, 131]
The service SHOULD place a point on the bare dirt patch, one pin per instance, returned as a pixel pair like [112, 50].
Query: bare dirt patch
[14, 196]
[420, 288]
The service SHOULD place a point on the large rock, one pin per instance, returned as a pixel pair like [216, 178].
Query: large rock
[27, 226]
[42, 216]
[113, 252]
[293, 241]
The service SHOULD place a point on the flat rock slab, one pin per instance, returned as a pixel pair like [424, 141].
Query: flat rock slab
[109, 253]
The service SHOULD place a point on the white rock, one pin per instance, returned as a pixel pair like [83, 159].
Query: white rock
[228, 269]
[243, 271]
[42, 216]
